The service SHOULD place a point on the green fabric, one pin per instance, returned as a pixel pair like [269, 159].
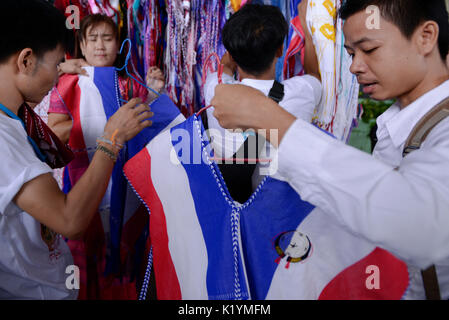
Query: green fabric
[360, 138]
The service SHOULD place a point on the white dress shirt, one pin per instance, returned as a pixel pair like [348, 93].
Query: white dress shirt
[399, 204]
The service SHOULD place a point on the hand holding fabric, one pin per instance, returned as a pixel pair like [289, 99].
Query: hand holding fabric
[128, 121]
[243, 107]
[73, 66]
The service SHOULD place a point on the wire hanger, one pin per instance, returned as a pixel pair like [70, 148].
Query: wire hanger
[125, 67]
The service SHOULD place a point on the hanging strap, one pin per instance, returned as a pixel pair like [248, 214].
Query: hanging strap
[36, 149]
[414, 142]
[425, 125]
[431, 286]
[277, 91]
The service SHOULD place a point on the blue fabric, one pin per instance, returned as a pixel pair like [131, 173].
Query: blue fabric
[214, 215]
[105, 80]
[277, 208]
[67, 184]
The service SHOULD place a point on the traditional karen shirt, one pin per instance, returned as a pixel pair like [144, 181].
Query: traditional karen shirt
[274, 246]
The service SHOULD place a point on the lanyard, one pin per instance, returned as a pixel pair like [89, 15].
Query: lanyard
[30, 140]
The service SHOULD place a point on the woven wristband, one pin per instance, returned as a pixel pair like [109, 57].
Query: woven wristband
[108, 152]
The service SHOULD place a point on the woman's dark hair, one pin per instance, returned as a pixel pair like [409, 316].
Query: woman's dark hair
[252, 36]
[34, 24]
[94, 20]
[407, 15]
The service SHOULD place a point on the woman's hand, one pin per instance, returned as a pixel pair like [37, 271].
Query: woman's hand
[73, 66]
[128, 121]
[155, 79]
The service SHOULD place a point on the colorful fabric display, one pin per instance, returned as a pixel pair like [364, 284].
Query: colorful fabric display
[338, 106]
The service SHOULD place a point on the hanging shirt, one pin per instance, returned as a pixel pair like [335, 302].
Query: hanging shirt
[120, 223]
[401, 204]
[32, 266]
[273, 246]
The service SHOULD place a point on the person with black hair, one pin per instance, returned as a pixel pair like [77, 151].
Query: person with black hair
[254, 39]
[398, 197]
[98, 46]
[99, 43]
[34, 212]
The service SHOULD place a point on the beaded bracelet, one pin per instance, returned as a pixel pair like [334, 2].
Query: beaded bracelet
[108, 152]
[111, 142]
[104, 140]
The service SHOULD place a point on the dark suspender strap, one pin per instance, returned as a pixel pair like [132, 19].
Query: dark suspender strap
[414, 142]
[277, 91]
[425, 125]
[430, 279]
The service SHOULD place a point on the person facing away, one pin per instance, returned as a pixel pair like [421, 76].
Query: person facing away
[397, 201]
[254, 39]
[34, 212]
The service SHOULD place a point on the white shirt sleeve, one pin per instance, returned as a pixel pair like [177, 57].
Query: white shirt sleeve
[405, 211]
[19, 164]
[302, 95]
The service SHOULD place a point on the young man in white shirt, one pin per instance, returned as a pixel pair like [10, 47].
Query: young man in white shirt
[400, 204]
[34, 212]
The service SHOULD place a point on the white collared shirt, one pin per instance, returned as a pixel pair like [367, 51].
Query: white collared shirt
[301, 95]
[399, 204]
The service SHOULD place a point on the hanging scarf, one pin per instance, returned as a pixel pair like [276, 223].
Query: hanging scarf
[55, 153]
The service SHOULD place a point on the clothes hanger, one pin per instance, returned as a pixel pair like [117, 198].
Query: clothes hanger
[125, 67]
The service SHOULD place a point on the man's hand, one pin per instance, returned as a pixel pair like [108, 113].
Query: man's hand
[73, 66]
[243, 107]
[128, 121]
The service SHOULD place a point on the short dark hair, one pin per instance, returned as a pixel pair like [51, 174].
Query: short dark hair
[34, 24]
[252, 36]
[407, 15]
[94, 20]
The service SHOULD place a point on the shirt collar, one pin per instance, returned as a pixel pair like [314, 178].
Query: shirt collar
[263, 85]
[400, 123]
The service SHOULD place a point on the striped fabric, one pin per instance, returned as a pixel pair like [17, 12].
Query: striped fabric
[118, 230]
[274, 246]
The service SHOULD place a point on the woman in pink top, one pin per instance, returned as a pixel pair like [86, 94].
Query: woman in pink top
[99, 45]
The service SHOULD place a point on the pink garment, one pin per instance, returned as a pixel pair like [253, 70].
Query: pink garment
[129, 88]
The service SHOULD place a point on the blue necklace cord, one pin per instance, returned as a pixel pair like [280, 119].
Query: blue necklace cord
[12, 115]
